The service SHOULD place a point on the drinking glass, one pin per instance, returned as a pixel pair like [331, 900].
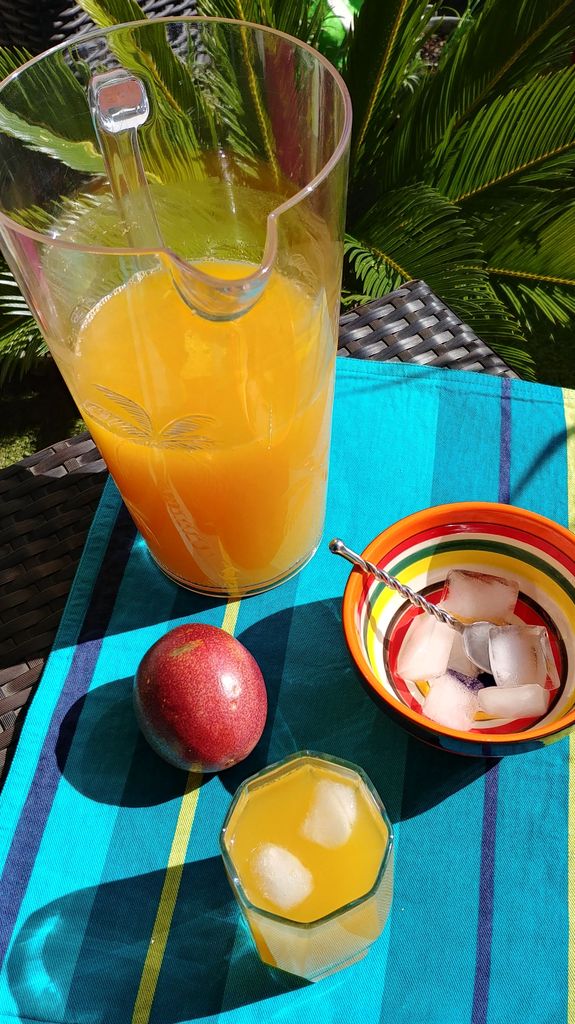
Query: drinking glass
[308, 850]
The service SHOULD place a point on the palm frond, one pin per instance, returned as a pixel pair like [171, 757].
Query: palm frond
[515, 134]
[385, 40]
[538, 247]
[531, 260]
[112, 12]
[479, 306]
[12, 58]
[540, 305]
[502, 47]
[374, 269]
[416, 232]
[420, 233]
[500, 51]
[12, 302]
[79, 156]
[49, 94]
[188, 98]
[47, 110]
[257, 11]
[300, 18]
[146, 52]
[21, 349]
[22, 346]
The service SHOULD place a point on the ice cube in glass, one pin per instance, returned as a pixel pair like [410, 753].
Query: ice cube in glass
[332, 814]
[280, 876]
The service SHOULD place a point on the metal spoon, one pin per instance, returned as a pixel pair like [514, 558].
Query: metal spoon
[475, 635]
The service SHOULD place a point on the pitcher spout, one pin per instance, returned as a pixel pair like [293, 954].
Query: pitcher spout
[213, 297]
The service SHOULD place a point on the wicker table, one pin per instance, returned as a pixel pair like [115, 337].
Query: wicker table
[48, 500]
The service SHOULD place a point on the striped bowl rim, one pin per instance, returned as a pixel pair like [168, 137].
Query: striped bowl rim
[542, 546]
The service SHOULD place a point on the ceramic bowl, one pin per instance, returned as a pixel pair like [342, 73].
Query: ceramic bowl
[483, 537]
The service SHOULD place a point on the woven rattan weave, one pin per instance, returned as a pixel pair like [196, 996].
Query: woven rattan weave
[36, 25]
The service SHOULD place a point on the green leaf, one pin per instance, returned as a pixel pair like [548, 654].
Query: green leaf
[304, 19]
[386, 38]
[513, 134]
[541, 307]
[417, 233]
[21, 348]
[504, 46]
[80, 156]
[47, 110]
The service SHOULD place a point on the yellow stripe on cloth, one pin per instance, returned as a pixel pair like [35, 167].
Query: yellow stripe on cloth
[169, 895]
[231, 616]
[569, 407]
[173, 877]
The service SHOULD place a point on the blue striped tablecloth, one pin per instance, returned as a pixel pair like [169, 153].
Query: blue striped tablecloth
[114, 906]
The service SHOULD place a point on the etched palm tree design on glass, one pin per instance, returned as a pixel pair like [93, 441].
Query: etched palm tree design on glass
[128, 419]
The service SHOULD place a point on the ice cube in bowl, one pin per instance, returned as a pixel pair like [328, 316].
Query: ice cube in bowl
[452, 700]
[474, 596]
[518, 655]
[514, 702]
[532, 552]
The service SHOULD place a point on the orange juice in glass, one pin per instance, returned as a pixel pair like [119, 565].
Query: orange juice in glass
[308, 849]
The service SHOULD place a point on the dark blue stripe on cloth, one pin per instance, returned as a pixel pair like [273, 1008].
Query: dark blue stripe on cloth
[505, 443]
[486, 894]
[487, 872]
[28, 834]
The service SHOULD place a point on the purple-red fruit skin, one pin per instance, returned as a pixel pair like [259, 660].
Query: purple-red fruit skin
[200, 698]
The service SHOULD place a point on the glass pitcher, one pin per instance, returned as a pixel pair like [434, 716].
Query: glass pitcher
[180, 247]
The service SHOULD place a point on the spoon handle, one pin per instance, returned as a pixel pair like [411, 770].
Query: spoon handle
[337, 547]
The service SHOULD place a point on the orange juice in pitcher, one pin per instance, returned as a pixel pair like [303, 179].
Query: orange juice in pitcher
[217, 434]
